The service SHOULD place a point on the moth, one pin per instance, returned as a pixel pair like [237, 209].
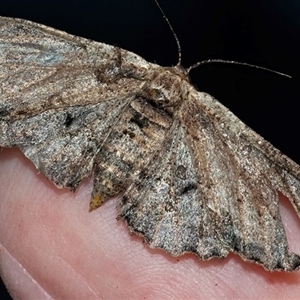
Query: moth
[190, 175]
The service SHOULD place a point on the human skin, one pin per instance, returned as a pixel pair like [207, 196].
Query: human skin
[52, 247]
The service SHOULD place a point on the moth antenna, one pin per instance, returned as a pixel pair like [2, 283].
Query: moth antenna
[173, 31]
[236, 63]
[210, 60]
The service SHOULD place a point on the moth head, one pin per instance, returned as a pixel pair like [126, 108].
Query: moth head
[168, 88]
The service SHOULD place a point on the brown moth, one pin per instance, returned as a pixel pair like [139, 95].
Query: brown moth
[192, 176]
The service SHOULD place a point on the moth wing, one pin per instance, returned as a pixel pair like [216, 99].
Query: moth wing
[243, 173]
[166, 205]
[45, 71]
[213, 190]
[252, 153]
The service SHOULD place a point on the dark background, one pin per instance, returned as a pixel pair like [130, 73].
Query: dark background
[265, 33]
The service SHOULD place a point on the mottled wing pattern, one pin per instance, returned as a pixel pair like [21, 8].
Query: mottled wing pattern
[66, 151]
[44, 68]
[212, 190]
[60, 95]
[168, 206]
[243, 174]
